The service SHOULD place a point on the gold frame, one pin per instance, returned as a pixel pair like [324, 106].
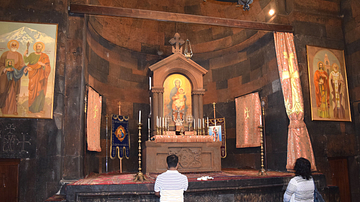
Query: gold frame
[327, 104]
[48, 38]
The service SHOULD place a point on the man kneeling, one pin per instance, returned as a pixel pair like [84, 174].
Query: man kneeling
[170, 185]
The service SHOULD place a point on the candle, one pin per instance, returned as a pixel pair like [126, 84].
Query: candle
[148, 122]
[203, 123]
[140, 116]
[163, 125]
[157, 121]
[199, 123]
[207, 121]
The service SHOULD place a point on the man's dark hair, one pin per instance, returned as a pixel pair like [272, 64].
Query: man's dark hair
[303, 168]
[172, 161]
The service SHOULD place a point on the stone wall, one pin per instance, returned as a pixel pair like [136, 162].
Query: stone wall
[41, 167]
[351, 28]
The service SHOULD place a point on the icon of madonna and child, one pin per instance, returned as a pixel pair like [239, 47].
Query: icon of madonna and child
[177, 99]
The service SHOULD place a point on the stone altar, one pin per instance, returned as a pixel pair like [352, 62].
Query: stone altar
[193, 156]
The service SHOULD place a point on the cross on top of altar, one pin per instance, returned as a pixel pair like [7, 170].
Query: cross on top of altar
[178, 42]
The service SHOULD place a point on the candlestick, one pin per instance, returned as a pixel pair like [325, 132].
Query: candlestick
[139, 176]
[148, 129]
[140, 116]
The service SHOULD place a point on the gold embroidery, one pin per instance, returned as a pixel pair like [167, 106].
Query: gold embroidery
[247, 113]
[292, 75]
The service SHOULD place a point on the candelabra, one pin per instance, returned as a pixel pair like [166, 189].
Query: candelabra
[262, 170]
[139, 176]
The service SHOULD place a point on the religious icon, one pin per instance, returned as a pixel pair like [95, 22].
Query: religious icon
[27, 77]
[215, 132]
[177, 99]
[328, 84]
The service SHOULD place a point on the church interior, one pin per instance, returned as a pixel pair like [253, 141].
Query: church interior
[132, 53]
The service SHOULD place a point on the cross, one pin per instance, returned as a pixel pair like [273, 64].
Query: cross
[23, 143]
[10, 128]
[178, 42]
[95, 110]
[292, 74]
[247, 113]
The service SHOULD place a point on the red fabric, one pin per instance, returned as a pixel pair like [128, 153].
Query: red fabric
[93, 120]
[299, 144]
[176, 138]
[117, 178]
[38, 78]
[248, 120]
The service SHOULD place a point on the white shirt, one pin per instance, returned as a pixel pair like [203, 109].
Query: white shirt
[171, 185]
[300, 189]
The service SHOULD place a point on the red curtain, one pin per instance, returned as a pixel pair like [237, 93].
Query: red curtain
[93, 120]
[248, 120]
[299, 144]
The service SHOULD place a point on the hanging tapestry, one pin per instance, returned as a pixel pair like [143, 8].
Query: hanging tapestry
[120, 140]
[248, 120]
[93, 120]
[299, 144]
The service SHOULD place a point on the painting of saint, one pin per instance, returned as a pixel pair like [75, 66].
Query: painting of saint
[27, 77]
[328, 84]
[177, 98]
[215, 132]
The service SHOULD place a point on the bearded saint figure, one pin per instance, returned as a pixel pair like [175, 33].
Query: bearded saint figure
[12, 68]
[39, 70]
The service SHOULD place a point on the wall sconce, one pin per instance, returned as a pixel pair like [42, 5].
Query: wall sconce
[188, 51]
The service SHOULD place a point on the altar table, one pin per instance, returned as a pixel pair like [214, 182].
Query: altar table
[196, 153]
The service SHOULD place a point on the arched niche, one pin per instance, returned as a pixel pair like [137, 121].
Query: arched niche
[177, 63]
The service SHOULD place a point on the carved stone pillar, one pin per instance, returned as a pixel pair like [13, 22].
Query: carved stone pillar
[195, 107]
[157, 104]
[198, 103]
[161, 104]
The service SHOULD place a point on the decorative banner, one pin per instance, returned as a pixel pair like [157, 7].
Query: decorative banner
[248, 120]
[216, 129]
[299, 144]
[120, 139]
[93, 120]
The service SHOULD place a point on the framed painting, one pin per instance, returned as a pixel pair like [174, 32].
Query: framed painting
[27, 69]
[216, 129]
[329, 95]
[177, 99]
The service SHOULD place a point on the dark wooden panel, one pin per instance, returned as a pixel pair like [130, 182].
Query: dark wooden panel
[175, 17]
[9, 179]
[340, 177]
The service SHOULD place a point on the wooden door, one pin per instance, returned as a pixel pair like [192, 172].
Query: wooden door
[9, 179]
[340, 177]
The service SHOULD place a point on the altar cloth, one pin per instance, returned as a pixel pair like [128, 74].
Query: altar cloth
[183, 138]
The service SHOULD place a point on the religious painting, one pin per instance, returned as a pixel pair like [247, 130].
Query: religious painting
[216, 129]
[329, 95]
[177, 99]
[27, 69]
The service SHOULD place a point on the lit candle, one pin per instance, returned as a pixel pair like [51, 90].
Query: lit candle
[140, 116]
